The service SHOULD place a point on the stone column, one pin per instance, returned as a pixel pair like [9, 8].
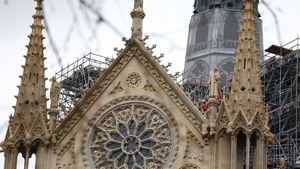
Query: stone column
[53, 118]
[214, 157]
[11, 159]
[40, 157]
[248, 151]
[233, 152]
[213, 107]
[27, 156]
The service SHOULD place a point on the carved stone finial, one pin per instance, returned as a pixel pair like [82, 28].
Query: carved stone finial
[137, 16]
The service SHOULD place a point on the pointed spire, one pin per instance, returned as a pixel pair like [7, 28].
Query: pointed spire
[31, 99]
[137, 16]
[246, 91]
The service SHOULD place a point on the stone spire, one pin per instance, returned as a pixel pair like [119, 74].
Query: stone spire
[246, 93]
[137, 15]
[30, 110]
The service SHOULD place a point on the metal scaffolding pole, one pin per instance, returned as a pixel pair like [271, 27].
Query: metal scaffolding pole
[281, 78]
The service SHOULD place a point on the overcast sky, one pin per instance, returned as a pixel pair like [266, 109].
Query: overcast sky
[76, 34]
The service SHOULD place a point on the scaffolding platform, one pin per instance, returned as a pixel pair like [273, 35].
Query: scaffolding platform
[78, 77]
[281, 77]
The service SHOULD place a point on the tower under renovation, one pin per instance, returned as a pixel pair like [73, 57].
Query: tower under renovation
[212, 41]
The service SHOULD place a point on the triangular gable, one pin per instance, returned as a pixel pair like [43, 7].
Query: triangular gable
[257, 122]
[222, 118]
[20, 133]
[134, 49]
[240, 121]
[39, 127]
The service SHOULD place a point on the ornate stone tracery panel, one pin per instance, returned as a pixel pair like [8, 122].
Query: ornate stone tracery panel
[133, 135]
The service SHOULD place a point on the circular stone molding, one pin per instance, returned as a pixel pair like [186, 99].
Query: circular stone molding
[133, 134]
[189, 166]
[133, 80]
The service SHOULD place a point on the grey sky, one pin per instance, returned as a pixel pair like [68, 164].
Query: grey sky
[166, 22]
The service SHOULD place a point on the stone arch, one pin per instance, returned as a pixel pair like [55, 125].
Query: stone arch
[139, 120]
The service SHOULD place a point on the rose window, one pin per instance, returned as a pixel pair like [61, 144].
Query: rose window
[131, 136]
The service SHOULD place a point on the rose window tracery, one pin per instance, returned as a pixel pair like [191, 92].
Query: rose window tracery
[133, 136]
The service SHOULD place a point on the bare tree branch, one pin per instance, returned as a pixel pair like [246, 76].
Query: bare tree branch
[100, 17]
[273, 13]
[51, 41]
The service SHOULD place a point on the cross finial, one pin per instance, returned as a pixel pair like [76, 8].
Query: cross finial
[137, 15]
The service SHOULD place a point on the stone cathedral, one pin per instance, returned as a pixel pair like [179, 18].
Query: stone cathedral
[135, 116]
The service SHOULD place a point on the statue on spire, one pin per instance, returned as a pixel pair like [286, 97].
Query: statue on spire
[54, 93]
[213, 83]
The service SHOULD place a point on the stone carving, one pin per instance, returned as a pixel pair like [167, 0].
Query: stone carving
[189, 166]
[133, 80]
[131, 136]
[194, 149]
[148, 86]
[54, 93]
[117, 89]
[224, 120]
[213, 83]
[240, 121]
[63, 160]
[257, 122]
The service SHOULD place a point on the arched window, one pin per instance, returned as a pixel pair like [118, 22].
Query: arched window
[231, 27]
[20, 161]
[202, 30]
[32, 161]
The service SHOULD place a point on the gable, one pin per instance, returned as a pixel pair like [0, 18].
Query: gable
[134, 94]
[150, 65]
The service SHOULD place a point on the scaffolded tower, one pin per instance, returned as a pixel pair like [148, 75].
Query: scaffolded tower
[282, 91]
[76, 78]
[212, 42]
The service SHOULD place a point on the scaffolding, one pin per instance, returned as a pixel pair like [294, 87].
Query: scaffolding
[77, 78]
[196, 88]
[281, 77]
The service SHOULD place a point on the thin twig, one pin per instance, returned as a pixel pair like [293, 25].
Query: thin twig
[273, 13]
[100, 17]
[51, 41]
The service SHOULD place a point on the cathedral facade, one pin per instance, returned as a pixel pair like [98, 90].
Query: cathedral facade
[135, 116]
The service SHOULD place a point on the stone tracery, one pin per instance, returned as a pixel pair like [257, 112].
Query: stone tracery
[131, 136]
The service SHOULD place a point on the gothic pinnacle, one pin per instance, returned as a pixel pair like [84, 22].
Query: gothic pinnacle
[246, 84]
[31, 98]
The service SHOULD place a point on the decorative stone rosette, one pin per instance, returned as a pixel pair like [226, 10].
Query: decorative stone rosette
[131, 136]
[133, 80]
